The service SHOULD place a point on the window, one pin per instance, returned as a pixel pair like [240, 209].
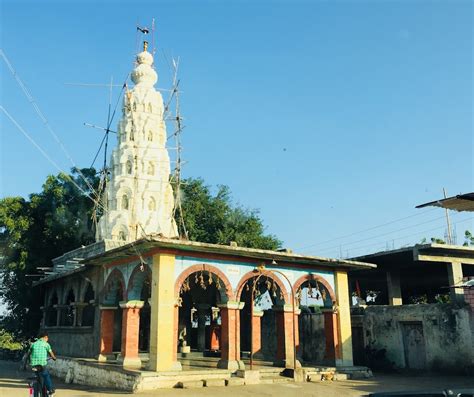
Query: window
[129, 167]
[88, 312]
[125, 202]
[122, 236]
[151, 169]
[151, 204]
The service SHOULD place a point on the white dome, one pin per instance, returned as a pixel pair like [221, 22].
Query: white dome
[145, 57]
[144, 74]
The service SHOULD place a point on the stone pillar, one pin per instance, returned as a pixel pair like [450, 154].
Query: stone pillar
[59, 314]
[333, 348]
[286, 343]
[164, 315]
[79, 309]
[393, 287]
[44, 315]
[107, 315]
[257, 333]
[297, 332]
[344, 318]
[130, 333]
[455, 277]
[203, 310]
[230, 336]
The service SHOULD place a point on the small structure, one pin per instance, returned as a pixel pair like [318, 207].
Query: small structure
[405, 274]
[420, 312]
[157, 295]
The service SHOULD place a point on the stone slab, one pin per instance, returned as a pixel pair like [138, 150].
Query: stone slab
[251, 377]
[235, 382]
[214, 382]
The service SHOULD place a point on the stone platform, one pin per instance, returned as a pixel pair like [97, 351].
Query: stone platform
[199, 372]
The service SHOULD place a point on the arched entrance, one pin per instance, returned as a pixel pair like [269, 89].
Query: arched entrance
[261, 329]
[206, 316]
[139, 289]
[318, 333]
[111, 316]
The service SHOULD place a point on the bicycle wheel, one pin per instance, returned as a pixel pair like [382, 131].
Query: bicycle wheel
[39, 388]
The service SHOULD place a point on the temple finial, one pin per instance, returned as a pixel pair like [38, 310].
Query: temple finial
[145, 45]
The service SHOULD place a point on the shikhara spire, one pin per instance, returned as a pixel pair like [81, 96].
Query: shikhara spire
[139, 197]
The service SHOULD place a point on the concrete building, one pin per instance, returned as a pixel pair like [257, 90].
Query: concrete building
[419, 311]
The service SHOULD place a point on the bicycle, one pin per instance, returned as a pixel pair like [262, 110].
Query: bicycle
[37, 387]
[36, 383]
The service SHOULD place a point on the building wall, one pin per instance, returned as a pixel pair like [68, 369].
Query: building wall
[75, 340]
[442, 341]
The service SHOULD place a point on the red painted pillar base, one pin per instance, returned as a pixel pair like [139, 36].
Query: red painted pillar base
[130, 332]
[285, 322]
[332, 336]
[107, 317]
[257, 334]
[230, 336]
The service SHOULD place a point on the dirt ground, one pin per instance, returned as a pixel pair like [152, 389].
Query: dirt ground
[13, 384]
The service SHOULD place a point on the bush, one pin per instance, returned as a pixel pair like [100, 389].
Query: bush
[8, 342]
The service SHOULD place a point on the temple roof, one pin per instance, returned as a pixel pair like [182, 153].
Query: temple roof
[181, 247]
[156, 243]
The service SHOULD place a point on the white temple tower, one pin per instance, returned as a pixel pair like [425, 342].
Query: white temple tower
[138, 196]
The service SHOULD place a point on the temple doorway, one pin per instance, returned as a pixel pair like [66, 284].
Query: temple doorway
[199, 317]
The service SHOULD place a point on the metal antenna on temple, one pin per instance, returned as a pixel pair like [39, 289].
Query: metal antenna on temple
[153, 37]
[178, 128]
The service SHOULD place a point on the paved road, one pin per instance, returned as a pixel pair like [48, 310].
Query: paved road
[12, 384]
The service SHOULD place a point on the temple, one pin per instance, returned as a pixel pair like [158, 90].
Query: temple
[140, 297]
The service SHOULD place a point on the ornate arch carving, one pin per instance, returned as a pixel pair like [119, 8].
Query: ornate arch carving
[248, 276]
[317, 278]
[136, 281]
[204, 267]
[113, 282]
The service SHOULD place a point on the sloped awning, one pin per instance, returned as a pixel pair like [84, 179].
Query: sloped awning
[461, 202]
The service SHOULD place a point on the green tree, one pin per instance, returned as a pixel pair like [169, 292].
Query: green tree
[214, 219]
[8, 342]
[468, 239]
[32, 233]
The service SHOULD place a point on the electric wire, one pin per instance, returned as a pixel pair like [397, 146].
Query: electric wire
[43, 152]
[384, 234]
[408, 235]
[43, 118]
[366, 230]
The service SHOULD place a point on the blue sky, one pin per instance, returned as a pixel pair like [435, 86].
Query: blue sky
[329, 117]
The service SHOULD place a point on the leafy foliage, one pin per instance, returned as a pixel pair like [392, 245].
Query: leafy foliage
[468, 239]
[213, 218]
[434, 240]
[8, 342]
[32, 233]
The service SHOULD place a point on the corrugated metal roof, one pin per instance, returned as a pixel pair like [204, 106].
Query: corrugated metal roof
[461, 202]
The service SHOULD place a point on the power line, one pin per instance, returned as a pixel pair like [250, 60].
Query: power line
[43, 119]
[28, 136]
[384, 234]
[365, 230]
[409, 235]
